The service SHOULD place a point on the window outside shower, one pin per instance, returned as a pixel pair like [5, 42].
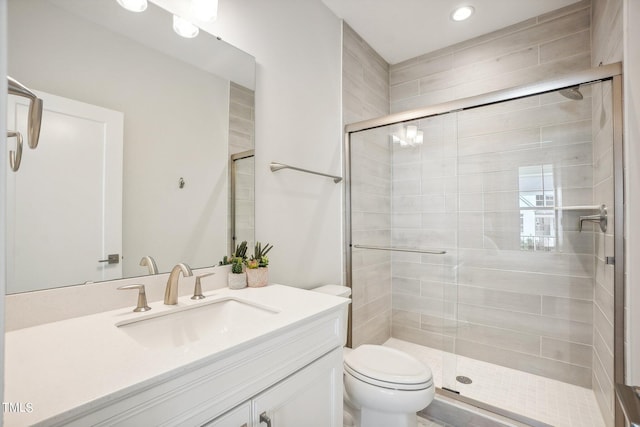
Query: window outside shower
[537, 208]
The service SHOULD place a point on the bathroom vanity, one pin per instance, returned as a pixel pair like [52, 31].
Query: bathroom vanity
[267, 356]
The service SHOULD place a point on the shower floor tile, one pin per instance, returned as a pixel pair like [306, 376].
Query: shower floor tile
[542, 399]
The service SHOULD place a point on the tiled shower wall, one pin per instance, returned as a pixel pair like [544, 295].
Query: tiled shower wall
[365, 93]
[528, 310]
[537, 49]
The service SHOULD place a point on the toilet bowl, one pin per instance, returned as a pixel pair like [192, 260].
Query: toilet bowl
[382, 386]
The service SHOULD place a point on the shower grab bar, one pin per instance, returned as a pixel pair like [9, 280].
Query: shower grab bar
[393, 249]
[277, 166]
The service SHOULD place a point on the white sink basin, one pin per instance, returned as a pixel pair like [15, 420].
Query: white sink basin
[186, 325]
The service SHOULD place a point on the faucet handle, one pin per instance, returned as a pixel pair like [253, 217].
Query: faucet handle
[142, 297]
[197, 291]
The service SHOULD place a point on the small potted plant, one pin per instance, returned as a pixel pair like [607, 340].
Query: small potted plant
[237, 277]
[257, 266]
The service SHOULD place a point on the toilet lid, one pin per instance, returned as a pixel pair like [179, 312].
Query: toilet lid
[387, 367]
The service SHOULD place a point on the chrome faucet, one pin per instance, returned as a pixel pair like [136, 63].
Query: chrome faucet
[171, 292]
[150, 263]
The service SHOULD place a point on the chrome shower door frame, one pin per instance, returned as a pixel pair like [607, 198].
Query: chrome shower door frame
[611, 72]
[232, 200]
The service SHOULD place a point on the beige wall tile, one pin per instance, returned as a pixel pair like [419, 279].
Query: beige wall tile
[550, 368]
[491, 298]
[567, 308]
[580, 287]
[576, 354]
[366, 95]
[566, 330]
[572, 44]
[541, 33]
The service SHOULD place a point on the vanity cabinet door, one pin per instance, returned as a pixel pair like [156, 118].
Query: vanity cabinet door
[312, 397]
[237, 417]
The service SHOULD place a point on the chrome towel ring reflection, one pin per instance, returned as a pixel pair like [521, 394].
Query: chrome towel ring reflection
[35, 110]
[34, 122]
[15, 157]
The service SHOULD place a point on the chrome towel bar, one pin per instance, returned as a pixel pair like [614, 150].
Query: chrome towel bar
[414, 250]
[278, 166]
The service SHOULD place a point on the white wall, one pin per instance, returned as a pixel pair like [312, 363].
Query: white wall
[297, 46]
[632, 183]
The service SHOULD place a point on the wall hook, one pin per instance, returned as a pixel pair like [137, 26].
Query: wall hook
[181, 182]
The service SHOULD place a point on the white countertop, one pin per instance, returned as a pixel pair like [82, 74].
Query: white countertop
[62, 368]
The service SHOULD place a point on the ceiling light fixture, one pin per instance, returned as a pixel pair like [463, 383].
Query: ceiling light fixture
[133, 5]
[408, 136]
[184, 28]
[204, 10]
[461, 13]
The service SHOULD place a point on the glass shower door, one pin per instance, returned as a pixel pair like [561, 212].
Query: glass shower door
[424, 218]
[534, 293]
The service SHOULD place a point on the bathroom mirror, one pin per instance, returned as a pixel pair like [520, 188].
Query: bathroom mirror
[184, 105]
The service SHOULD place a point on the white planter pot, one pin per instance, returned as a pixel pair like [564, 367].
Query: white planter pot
[257, 277]
[237, 281]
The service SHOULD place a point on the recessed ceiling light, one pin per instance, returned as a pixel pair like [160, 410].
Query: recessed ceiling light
[184, 28]
[134, 5]
[461, 13]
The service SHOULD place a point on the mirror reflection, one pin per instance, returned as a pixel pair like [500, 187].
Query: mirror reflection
[138, 128]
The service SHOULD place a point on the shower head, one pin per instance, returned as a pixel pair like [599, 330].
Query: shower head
[572, 93]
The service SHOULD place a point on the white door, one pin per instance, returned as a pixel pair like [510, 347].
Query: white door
[64, 204]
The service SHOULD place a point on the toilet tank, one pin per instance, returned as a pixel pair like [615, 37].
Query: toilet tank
[339, 291]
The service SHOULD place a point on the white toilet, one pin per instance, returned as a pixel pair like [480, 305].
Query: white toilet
[382, 386]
